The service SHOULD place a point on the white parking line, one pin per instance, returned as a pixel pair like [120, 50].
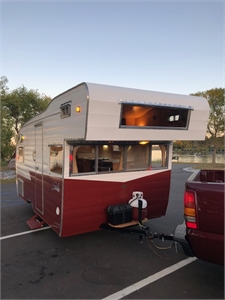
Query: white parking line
[140, 284]
[22, 233]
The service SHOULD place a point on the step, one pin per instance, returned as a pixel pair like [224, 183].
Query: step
[35, 222]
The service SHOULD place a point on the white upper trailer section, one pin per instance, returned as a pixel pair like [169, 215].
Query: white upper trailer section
[96, 112]
[105, 115]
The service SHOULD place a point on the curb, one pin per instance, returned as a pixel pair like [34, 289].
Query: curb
[190, 169]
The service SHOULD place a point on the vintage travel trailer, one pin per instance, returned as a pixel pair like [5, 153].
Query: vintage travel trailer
[97, 146]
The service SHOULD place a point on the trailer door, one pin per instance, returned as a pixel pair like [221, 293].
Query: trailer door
[39, 199]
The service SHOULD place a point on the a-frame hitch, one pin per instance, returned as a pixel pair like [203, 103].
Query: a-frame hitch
[137, 227]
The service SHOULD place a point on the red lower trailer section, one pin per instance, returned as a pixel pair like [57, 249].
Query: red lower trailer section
[75, 206]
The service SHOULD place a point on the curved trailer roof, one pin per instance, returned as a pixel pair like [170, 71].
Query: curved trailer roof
[103, 108]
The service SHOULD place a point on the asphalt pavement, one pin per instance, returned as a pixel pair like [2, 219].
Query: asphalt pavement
[41, 265]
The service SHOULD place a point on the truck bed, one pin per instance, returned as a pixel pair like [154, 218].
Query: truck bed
[204, 216]
[208, 176]
[209, 188]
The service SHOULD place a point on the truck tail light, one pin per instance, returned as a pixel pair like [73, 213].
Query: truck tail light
[190, 209]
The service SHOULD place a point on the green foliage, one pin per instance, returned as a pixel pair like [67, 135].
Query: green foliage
[215, 127]
[215, 97]
[23, 104]
[17, 107]
[7, 147]
[3, 85]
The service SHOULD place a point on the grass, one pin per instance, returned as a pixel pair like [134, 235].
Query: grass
[209, 166]
[6, 181]
[4, 166]
[206, 166]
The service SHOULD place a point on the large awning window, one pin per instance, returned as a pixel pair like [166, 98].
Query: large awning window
[118, 156]
[154, 115]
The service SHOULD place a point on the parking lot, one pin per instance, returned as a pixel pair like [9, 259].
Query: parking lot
[102, 264]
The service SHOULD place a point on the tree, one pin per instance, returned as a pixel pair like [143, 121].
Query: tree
[215, 126]
[22, 104]
[17, 107]
[7, 147]
[3, 85]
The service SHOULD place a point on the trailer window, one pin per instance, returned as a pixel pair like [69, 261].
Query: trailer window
[56, 159]
[84, 159]
[159, 156]
[96, 158]
[110, 157]
[121, 157]
[137, 157]
[20, 154]
[145, 116]
[65, 110]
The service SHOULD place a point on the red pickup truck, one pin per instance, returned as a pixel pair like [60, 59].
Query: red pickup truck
[202, 233]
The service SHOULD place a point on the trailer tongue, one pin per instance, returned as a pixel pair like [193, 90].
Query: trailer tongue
[139, 229]
[127, 219]
[133, 226]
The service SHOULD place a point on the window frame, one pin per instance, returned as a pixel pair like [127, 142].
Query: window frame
[65, 109]
[50, 162]
[23, 154]
[123, 158]
[183, 111]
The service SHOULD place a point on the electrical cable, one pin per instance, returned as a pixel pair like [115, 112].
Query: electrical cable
[160, 248]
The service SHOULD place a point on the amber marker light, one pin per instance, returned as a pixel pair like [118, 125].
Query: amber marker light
[143, 142]
[78, 109]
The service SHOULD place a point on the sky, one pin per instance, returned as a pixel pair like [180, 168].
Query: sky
[168, 46]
